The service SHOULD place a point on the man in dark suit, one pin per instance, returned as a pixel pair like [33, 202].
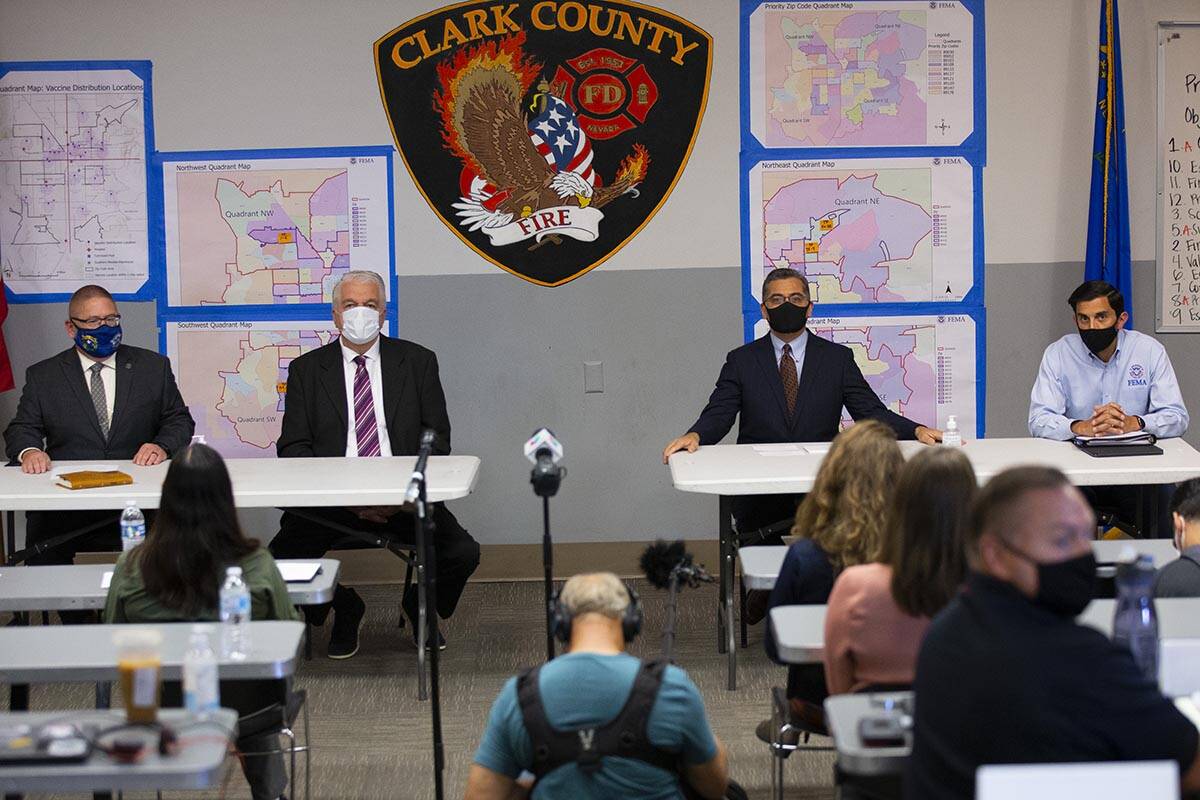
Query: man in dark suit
[364, 396]
[788, 386]
[100, 400]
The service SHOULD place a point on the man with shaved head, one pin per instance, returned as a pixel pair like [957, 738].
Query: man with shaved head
[99, 400]
[368, 396]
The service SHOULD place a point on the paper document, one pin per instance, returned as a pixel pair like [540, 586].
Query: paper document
[786, 449]
[298, 571]
[1133, 437]
[1187, 706]
[817, 449]
[106, 580]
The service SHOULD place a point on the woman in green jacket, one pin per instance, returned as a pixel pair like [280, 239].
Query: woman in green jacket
[176, 575]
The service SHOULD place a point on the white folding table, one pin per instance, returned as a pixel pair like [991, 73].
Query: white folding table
[292, 483]
[203, 745]
[800, 630]
[745, 469]
[81, 586]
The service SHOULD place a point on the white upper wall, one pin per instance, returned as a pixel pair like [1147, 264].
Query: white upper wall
[1042, 59]
[299, 73]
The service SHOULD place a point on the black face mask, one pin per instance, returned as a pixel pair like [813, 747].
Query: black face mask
[787, 318]
[1096, 339]
[1064, 587]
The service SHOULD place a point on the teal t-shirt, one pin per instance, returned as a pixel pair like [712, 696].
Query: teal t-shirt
[581, 690]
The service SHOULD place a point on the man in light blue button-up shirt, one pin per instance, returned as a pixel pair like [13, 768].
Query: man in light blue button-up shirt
[1126, 385]
[1104, 380]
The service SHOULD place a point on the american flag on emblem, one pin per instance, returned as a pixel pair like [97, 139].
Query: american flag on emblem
[557, 136]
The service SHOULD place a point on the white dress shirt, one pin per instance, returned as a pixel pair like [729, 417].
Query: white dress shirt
[799, 345]
[376, 376]
[108, 376]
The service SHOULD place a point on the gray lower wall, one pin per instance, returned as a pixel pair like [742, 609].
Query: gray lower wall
[512, 358]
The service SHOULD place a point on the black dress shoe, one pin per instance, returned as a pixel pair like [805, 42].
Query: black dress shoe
[347, 621]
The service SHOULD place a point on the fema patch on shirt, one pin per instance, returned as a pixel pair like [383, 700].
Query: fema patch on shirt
[1137, 375]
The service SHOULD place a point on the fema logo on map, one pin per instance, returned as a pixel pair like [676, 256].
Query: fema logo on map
[545, 134]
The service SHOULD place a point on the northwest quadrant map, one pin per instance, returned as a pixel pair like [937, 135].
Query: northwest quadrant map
[862, 74]
[881, 230]
[272, 231]
[233, 377]
[921, 366]
[73, 180]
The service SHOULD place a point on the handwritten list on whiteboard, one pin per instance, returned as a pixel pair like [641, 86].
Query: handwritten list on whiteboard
[1179, 177]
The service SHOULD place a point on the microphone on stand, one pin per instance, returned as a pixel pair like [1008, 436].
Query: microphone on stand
[413, 492]
[545, 453]
[667, 566]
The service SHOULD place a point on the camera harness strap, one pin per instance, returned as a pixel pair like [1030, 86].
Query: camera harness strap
[626, 735]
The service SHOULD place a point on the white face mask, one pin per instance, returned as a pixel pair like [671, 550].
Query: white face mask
[360, 324]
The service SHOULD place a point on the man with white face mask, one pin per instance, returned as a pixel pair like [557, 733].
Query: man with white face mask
[368, 396]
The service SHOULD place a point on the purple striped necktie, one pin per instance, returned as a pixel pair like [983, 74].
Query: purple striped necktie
[366, 431]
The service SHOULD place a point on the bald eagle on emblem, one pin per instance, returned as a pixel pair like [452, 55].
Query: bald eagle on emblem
[517, 160]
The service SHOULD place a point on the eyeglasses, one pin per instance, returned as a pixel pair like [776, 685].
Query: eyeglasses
[96, 322]
[776, 300]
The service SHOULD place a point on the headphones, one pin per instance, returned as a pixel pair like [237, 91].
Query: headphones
[631, 620]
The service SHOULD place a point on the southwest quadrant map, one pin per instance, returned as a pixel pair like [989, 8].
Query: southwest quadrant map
[272, 231]
[233, 377]
[921, 366]
[73, 181]
[862, 74]
[877, 230]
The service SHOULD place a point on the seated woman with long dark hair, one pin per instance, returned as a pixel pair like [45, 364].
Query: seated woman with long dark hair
[839, 524]
[878, 613]
[176, 576]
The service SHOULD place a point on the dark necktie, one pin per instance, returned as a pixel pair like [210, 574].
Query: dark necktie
[787, 373]
[98, 398]
[366, 430]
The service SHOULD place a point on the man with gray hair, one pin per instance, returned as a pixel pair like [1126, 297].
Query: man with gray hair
[638, 730]
[368, 396]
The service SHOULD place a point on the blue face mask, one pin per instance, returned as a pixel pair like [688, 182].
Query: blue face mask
[100, 342]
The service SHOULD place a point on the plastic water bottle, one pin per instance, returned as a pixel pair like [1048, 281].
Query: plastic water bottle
[1135, 620]
[201, 689]
[235, 616]
[951, 437]
[133, 526]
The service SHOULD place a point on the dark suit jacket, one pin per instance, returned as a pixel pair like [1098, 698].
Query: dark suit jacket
[56, 414]
[314, 415]
[749, 385]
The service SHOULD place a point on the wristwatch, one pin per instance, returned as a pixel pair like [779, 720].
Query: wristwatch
[1141, 422]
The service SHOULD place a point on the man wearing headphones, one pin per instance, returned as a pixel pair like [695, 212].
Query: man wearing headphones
[598, 722]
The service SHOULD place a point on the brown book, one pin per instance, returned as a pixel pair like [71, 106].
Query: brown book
[93, 479]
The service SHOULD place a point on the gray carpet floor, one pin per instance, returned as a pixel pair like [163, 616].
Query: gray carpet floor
[371, 735]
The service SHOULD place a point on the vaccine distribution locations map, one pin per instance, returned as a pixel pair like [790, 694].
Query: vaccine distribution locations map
[233, 377]
[921, 366]
[272, 231]
[878, 230]
[861, 74]
[73, 180]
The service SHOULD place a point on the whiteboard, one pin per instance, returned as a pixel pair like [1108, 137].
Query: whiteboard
[1178, 245]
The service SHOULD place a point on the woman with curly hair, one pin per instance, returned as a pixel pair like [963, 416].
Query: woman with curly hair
[840, 524]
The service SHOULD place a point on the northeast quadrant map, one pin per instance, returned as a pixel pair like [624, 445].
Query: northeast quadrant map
[887, 230]
[921, 366]
[233, 377]
[72, 181]
[276, 231]
[863, 74]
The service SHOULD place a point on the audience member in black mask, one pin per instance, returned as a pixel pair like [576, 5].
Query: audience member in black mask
[1005, 674]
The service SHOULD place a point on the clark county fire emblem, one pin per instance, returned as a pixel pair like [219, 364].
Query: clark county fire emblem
[545, 134]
